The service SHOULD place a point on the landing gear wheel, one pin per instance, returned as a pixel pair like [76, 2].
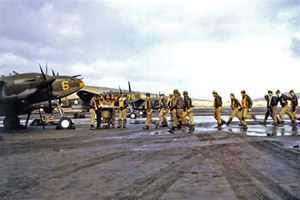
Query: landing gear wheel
[141, 113]
[65, 123]
[132, 115]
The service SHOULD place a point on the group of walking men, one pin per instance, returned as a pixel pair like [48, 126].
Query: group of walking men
[240, 110]
[180, 108]
[105, 107]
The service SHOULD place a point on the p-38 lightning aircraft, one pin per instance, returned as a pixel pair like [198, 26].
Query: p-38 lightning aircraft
[23, 93]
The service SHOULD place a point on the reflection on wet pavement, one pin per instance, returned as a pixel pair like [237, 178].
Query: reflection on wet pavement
[204, 124]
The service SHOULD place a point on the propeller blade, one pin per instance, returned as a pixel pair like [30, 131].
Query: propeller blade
[53, 73]
[129, 86]
[120, 90]
[44, 76]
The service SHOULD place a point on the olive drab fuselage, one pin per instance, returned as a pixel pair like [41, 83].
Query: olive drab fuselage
[21, 91]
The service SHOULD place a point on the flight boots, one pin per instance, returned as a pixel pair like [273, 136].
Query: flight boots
[119, 123]
[229, 121]
[219, 126]
[172, 130]
[146, 127]
[192, 129]
[244, 127]
[179, 126]
[124, 122]
[264, 121]
[92, 127]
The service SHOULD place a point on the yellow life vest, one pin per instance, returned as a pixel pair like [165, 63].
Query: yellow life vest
[244, 101]
[122, 102]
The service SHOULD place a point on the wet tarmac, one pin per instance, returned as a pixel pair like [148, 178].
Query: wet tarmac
[262, 162]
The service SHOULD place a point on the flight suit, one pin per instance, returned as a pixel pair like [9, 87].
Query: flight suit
[113, 113]
[189, 110]
[148, 106]
[122, 119]
[162, 111]
[93, 108]
[174, 118]
[106, 112]
[246, 106]
[178, 105]
[283, 99]
[218, 110]
[294, 104]
[235, 104]
[272, 104]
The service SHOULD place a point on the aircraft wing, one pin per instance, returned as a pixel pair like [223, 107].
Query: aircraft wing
[85, 96]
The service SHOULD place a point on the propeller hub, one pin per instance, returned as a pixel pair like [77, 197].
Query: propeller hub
[81, 84]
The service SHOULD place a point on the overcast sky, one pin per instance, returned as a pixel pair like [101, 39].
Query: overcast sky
[198, 46]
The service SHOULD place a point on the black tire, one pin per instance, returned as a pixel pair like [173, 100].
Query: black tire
[65, 123]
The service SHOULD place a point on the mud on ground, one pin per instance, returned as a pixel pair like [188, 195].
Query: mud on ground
[135, 164]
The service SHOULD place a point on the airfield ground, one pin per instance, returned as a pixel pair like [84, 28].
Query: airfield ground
[260, 163]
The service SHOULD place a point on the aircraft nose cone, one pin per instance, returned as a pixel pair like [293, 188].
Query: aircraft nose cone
[81, 84]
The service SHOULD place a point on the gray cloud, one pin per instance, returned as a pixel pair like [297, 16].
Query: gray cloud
[157, 42]
[295, 47]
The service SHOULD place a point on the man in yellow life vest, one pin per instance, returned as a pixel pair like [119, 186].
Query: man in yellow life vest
[246, 107]
[235, 104]
[122, 119]
[94, 104]
[148, 106]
